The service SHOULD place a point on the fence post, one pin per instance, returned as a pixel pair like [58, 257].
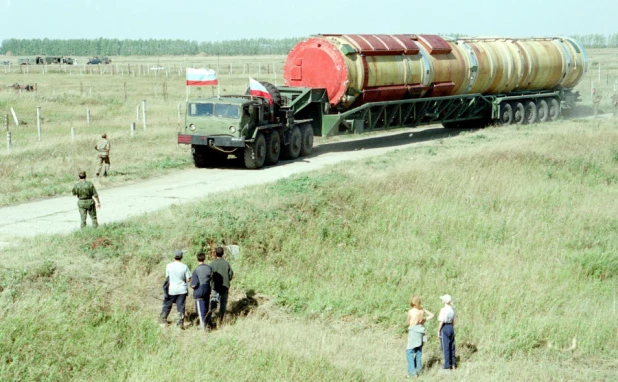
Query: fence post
[38, 121]
[179, 112]
[132, 129]
[8, 140]
[144, 112]
[88, 116]
[72, 133]
[14, 117]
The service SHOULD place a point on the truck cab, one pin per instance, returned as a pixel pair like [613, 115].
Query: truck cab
[253, 129]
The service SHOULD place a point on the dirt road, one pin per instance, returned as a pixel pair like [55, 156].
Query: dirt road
[59, 215]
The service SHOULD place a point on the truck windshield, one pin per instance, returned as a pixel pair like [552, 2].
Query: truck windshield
[200, 109]
[209, 109]
[227, 111]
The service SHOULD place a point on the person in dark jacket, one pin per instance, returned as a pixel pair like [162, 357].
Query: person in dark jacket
[200, 282]
[222, 274]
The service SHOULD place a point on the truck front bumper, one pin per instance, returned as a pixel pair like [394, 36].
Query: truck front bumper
[213, 140]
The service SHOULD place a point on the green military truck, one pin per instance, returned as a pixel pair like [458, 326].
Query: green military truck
[253, 129]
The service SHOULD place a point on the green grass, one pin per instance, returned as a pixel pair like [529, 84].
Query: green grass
[518, 225]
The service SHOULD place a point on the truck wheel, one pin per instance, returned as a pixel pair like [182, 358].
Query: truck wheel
[506, 114]
[273, 147]
[306, 133]
[529, 112]
[554, 110]
[292, 150]
[255, 154]
[542, 110]
[519, 113]
[200, 158]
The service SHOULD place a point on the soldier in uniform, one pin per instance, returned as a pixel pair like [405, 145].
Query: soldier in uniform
[596, 99]
[102, 148]
[85, 191]
[615, 103]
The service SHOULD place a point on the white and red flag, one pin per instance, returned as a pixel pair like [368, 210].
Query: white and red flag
[257, 89]
[201, 77]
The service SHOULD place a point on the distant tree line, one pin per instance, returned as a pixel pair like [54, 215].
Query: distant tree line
[151, 47]
[598, 40]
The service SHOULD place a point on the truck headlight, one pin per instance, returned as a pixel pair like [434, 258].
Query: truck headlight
[192, 127]
[232, 129]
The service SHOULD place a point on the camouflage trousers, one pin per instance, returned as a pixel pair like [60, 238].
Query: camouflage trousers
[87, 207]
[103, 160]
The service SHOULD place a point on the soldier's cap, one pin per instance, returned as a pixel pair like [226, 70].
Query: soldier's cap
[178, 254]
[104, 135]
[82, 174]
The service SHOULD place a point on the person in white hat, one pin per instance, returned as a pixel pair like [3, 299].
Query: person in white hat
[446, 331]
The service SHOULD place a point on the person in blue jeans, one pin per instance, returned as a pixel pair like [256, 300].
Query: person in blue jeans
[446, 332]
[417, 335]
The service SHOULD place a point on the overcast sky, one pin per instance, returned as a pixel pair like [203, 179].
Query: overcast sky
[207, 20]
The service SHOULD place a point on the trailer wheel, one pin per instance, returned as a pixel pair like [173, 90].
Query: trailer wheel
[306, 132]
[506, 114]
[554, 110]
[519, 113]
[292, 150]
[273, 147]
[530, 112]
[542, 110]
[255, 153]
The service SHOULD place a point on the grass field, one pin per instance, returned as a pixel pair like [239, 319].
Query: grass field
[33, 169]
[518, 224]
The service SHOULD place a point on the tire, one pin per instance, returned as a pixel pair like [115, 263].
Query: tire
[200, 158]
[306, 134]
[530, 112]
[554, 110]
[273, 147]
[542, 111]
[255, 153]
[506, 114]
[519, 113]
[292, 149]
[272, 90]
[205, 157]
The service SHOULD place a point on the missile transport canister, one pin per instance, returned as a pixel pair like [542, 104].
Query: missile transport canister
[338, 84]
[356, 69]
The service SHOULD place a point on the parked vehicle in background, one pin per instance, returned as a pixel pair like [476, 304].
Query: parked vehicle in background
[98, 60]
[31, 61]
[47, 60]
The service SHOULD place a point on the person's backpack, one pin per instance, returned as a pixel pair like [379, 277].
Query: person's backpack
[166, 287]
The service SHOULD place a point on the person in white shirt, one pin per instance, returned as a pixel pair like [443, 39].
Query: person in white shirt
[446, 331]
[179, 276]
